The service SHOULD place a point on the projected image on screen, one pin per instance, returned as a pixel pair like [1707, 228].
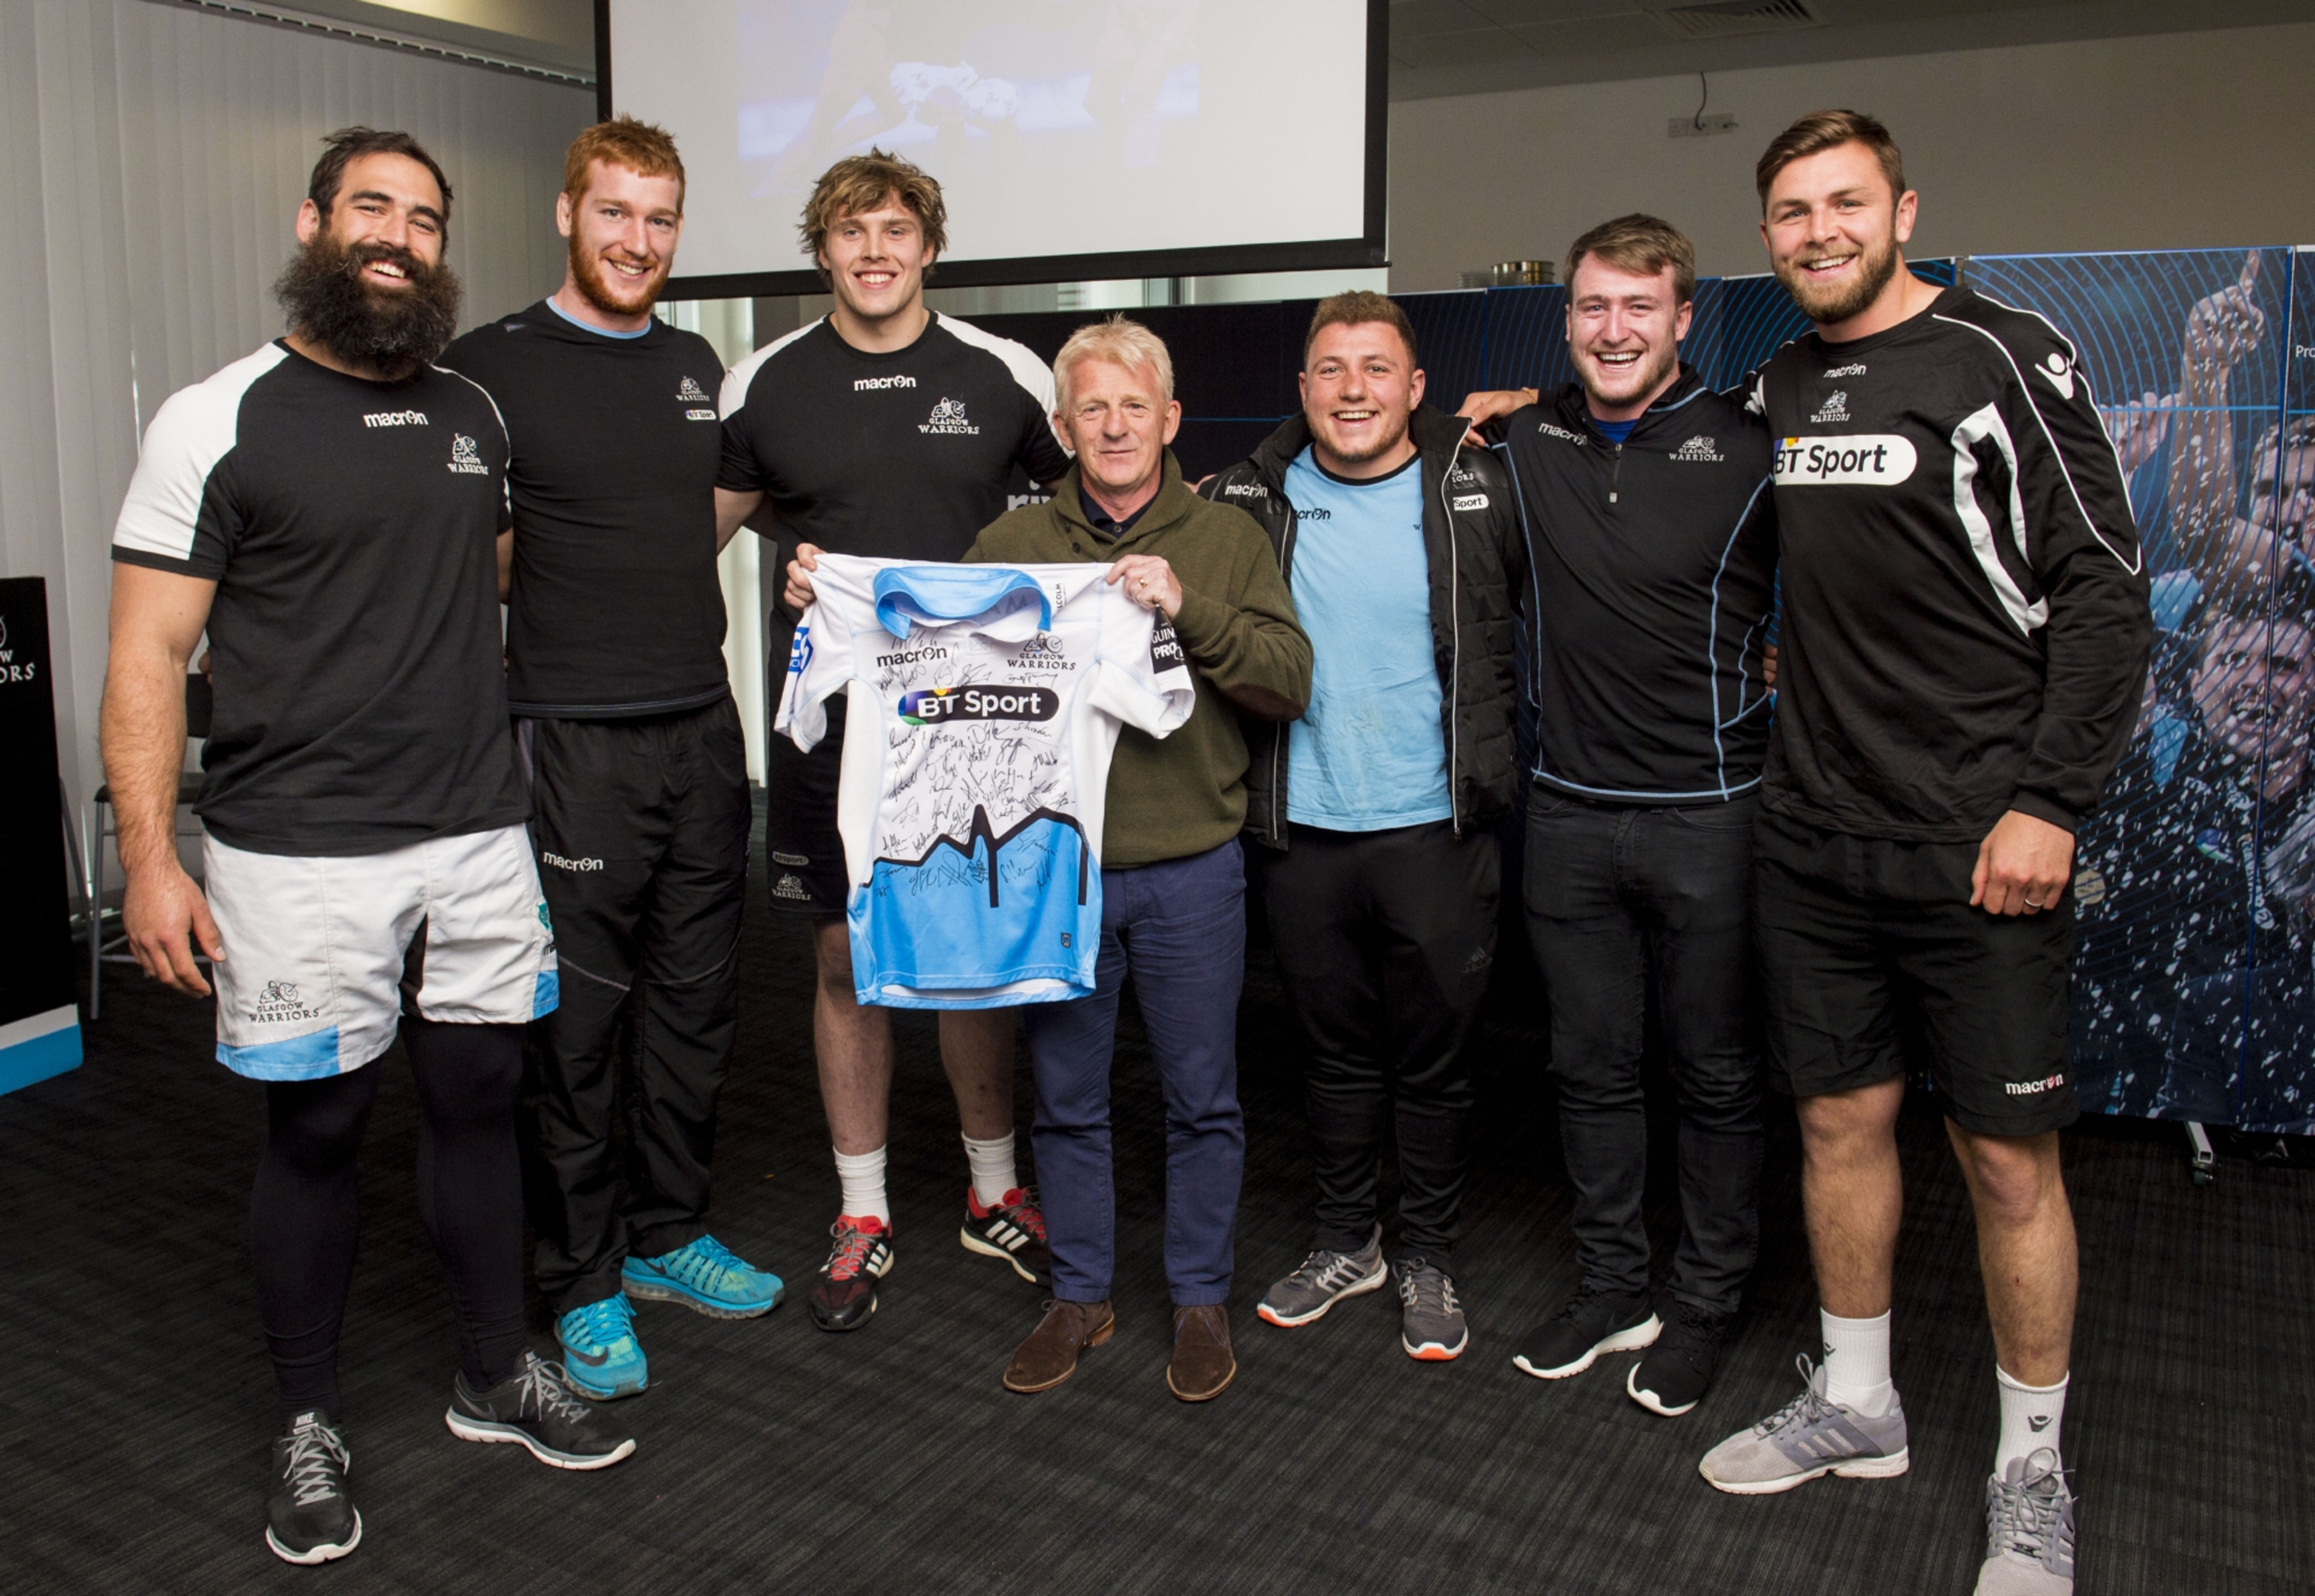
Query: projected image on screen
[1057, 128]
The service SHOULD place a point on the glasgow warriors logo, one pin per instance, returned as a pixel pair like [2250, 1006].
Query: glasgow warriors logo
[948, 416]
[464, 459]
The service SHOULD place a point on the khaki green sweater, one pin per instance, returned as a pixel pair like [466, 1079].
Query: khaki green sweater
[1186, 794]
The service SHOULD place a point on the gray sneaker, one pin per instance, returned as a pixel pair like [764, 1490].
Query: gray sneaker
[2029, 1530]
[1431, 1324]
[1325, 1278]
[1807, 1437]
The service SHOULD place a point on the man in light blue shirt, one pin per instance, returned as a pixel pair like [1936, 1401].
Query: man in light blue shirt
[1379, 861]
[1368, 753]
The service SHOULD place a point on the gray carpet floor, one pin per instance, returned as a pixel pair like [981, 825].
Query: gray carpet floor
[135, 1418]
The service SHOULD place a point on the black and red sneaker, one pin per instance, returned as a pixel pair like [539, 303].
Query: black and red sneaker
[843, 1294]
[1012, 1229]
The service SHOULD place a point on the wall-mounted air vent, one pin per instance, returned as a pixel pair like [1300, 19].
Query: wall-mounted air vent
[1727, 17]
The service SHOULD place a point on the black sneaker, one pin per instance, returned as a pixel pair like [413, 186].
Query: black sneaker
[537, 1408]
[1678, 1369]
[1594, 1322]
[844, 1293]
[309, 1518]
[1012, 1229]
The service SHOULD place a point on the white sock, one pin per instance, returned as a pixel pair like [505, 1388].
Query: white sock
[993, 1172]
[2031, 1418]
[1856, 1363]
[861, 1175]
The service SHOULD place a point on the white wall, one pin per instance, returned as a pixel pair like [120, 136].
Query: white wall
[158, 156]
[2176, 141]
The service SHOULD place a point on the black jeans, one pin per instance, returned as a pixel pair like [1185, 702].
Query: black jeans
[1385, 941]
[1616, 895]
[642, 827]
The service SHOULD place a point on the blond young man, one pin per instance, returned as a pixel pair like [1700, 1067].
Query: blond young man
[883, 429]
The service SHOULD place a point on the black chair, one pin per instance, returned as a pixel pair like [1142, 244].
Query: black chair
[103, 949]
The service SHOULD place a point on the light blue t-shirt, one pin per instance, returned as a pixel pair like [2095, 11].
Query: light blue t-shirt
[1369, 753]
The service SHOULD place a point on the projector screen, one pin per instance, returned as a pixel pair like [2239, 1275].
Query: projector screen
[1072, 139]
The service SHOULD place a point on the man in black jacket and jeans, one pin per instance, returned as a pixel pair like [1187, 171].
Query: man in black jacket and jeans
[1403, 552]
[1647, 503]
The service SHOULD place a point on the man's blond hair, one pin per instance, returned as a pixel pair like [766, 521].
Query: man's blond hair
[1119, 341]
[858, 184]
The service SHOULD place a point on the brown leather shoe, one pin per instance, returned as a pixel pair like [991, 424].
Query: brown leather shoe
[1202, 1364]
[1050, 1355]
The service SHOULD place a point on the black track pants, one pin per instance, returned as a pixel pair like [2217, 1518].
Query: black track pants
[301, 1219]
[1385, 940]
[642, 827]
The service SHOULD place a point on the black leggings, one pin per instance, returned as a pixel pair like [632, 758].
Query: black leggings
[301, 1219]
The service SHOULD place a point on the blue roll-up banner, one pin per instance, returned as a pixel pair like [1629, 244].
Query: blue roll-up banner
[39, 1023]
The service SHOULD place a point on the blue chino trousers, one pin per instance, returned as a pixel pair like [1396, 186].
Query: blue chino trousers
[1179, 927]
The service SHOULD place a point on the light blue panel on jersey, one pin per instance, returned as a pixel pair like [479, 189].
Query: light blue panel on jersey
[942, 593]
[920, 932]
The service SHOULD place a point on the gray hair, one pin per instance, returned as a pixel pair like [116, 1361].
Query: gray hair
[1119, 341]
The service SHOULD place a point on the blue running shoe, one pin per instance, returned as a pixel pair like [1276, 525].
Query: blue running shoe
[600, 1354]
[708, 1277]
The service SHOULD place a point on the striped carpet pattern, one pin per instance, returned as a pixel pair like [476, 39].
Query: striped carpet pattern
[775, 1459]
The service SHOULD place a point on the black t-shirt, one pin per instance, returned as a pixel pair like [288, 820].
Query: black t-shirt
[1652, 583]
[1964, 619]
[352, 529]
[904, 456]
[616, 607]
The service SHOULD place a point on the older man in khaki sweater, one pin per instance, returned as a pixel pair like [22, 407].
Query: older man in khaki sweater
[1172, 878]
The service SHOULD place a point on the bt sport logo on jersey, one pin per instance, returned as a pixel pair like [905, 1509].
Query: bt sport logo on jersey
[1879, 460]
[934, 706]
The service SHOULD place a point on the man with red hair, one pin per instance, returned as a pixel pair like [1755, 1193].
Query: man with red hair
[639, 775]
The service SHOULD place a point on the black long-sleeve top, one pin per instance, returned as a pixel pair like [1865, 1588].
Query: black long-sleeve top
[1964, 623]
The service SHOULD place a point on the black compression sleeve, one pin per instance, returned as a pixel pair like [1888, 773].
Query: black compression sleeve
[470, 1182]
[302, 1230]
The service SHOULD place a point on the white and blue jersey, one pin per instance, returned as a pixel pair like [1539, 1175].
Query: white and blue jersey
[985, 705]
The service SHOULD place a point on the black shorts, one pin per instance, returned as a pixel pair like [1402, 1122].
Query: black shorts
[805, 849]
[1874, 961]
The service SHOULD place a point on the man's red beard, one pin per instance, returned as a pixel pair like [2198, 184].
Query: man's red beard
[614, 296]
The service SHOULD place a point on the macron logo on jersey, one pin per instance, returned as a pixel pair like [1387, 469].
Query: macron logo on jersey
[2059, 375]
[394, 418]
[870, 384]
[931, 705]
[1874, 461]
[464, 459]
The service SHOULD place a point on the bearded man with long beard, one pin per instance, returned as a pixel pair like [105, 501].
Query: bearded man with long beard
[639, 777]
[1965, 634]
[325, 510]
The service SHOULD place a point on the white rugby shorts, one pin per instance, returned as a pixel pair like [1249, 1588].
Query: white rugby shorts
[314, 948]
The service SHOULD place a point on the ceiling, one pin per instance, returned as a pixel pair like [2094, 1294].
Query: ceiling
[1470, 46]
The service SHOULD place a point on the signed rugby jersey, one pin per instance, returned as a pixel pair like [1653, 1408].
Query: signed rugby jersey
[985, 703]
